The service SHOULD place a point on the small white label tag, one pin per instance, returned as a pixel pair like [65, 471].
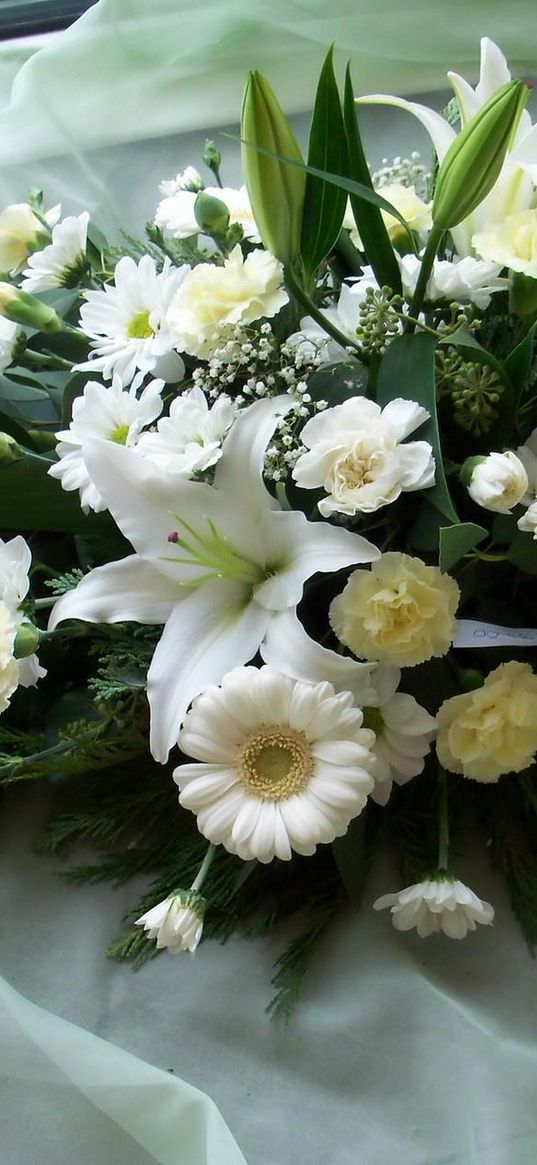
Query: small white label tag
[470, 633]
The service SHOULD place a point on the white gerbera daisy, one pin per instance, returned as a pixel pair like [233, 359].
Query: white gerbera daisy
[62, 262]
[284, 765]
[177, 922]
[439, 904]
[111, 414]
[127, 322]
[190, 439]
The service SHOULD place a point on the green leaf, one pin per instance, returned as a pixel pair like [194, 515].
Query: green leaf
[456, 541]
[351, 859]
[377, 246]
[324, 204]
[10, 426]
[335, 383]
[523, 552]
[31, 500]
[408, 370]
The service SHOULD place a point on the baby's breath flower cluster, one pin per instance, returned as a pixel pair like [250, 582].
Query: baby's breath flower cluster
[408, 171]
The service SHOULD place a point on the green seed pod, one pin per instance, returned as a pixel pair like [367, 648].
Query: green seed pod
[474, 160]
[276, 190]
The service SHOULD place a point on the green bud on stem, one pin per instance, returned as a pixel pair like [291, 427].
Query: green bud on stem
[211, 214]
[28, 310]
[474, 160]
[276, 190]
[467, 468]
[26, 640]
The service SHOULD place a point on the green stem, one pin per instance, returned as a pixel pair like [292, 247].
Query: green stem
[45, 360]
[431, 251]
[443, 821]
[42, 604]
[295, 287]
[204, 868]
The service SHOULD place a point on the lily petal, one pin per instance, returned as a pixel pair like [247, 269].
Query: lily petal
[288, 648]
[132, 589]
[440, 132]
[239, 471]
[212, 630]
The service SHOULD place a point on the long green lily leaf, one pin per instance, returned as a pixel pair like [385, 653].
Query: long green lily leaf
[324, 204]
[369, 221]
[408, 370]
[30, 500]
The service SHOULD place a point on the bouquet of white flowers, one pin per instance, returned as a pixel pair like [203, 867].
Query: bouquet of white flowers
[276, 471]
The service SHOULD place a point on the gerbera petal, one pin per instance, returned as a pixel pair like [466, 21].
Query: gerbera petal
[208, 633]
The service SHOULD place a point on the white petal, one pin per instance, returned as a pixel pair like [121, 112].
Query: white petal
[313, 547]
[288, 648]
[132, 589]
[208, 633]
[240, 469]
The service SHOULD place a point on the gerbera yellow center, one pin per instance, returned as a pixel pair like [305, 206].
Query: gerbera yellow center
[139, 327]
[276, 763]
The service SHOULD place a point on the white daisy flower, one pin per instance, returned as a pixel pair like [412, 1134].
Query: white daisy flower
[439, 904]
[190, 439]
[188, 179]
[111, 414]
[175, 214]
[284, 765]
[177, 922]
[62, 262]
[126, 322]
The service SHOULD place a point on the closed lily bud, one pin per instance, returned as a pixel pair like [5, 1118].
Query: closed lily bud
[26, 309]
[276, 190]
[211, 214]
[474, 160]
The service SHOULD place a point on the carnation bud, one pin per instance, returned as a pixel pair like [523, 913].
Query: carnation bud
[276, 190]
[10, 451]
[474, 160]
[467, 468]
[26, 309]
[211, 214]
[26, 640]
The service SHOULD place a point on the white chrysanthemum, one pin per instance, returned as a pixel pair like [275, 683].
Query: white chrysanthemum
[188, 179]
[464, 280]
[439, 904]
[177, 922]
[212, 299]
[355, 454]
[111, 414]
[498, 482]
[61, 262]
[284, 765]
[404, 731]
[190, 439]
[175, 214]
[126, 322]
[9, 333]
[345, 316]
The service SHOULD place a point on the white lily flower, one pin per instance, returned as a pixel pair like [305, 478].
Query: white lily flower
[215, 564]
[514, 189]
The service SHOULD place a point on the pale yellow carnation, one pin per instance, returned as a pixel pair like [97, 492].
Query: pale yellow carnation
[9, 681]
[416, 213]
[492, 730]
[513, 242]
[400, 612]
[212, 299]
[20, 231]
[7, 634]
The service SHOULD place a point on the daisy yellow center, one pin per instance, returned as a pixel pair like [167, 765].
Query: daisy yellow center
[276, 763]
[139, 327]
[119, 435]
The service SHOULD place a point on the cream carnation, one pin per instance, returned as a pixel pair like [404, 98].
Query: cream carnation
[498, 482]
[492, 730]
[511, 243]
[284, 766]
[467, 279]
[439, 904]
[355, 454]
[213, 299]
[7, 634]
[21, 232]
[177, 922]
[416, 213]
[400, 612]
